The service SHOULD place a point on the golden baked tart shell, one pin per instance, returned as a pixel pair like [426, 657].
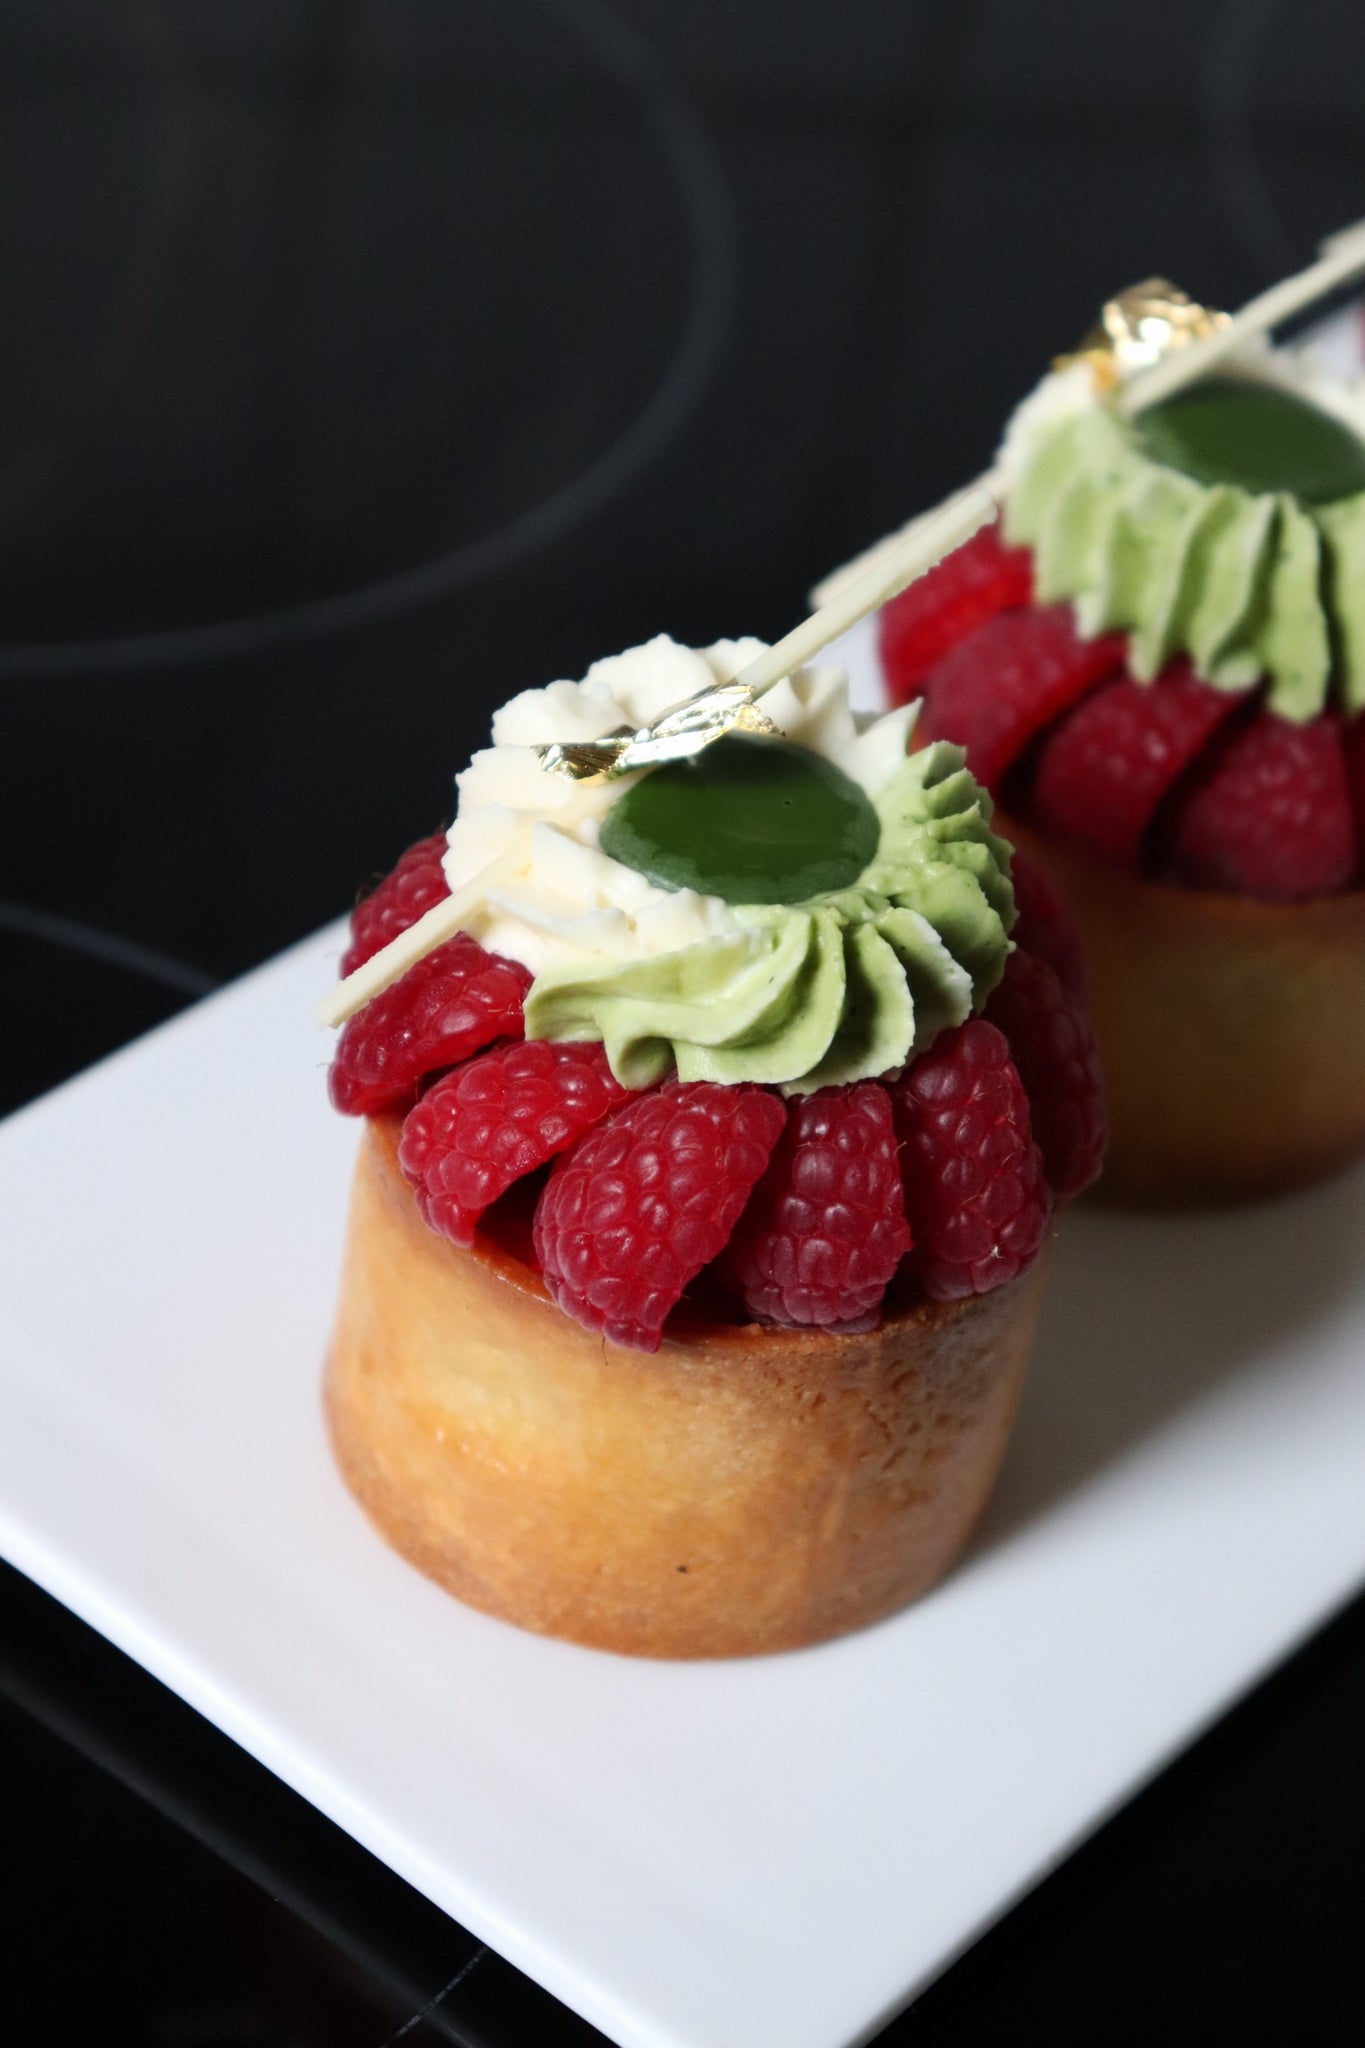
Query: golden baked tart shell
[741, 1490]
[1232, 1031]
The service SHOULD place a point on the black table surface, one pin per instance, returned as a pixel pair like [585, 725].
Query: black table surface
[364, 361]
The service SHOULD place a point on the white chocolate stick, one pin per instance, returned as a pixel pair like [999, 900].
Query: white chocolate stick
[885, 551]
[1343, 238]
[933, 538]
[882, 571]
[880, 574]
[432, 929]
[1342, 257]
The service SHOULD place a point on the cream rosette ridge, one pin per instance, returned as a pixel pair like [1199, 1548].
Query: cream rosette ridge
[1248, 584]
[839, 988]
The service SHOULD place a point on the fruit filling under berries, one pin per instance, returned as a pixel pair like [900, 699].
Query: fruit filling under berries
[750, 1032]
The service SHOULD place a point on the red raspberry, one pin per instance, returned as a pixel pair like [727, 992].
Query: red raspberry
[925, 622]
[1101, 775]
[976, 1196]
[1272, 818]
[1353, 744]
[496, 1118]
[825, 1229]
[648, 1198]
[1011, 678]
[1054, 1050]
[415, 884]
[1044, 924]
[450, 1004]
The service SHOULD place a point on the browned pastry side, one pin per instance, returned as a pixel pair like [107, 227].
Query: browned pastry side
[1232, 1031]
[741, 1490]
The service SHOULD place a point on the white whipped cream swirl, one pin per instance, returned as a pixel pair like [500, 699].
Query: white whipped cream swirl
[558, 898]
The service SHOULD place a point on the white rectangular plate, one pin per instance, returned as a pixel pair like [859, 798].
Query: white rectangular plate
[721, 1856]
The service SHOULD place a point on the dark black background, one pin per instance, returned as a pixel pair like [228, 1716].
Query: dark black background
[361, 364]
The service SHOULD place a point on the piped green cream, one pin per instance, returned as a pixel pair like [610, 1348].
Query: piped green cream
[1248, 583]
[840, 987]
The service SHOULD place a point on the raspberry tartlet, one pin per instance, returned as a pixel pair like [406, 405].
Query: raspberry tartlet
[709, 1172]
[1157, 665]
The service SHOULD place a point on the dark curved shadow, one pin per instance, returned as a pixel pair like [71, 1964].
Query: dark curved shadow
[1147, 1315]
[1232, 54]
[709, 245]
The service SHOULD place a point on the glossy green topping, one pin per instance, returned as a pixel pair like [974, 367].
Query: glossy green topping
[1229, 431]
[839, 988]
[750, 820]
[1247, 583]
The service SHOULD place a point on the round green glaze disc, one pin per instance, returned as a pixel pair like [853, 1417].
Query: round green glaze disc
[750, 820]
[1229, 431]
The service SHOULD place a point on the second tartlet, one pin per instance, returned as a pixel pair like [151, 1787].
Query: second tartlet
[1159, 669]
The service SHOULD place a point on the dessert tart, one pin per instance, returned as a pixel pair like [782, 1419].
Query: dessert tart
[711, 1164]
[1156, 661]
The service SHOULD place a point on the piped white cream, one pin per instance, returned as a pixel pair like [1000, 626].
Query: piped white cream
[566, 901]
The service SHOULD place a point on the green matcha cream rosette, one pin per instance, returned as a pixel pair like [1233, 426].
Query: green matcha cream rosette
[1227, 523]
[801, 911]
